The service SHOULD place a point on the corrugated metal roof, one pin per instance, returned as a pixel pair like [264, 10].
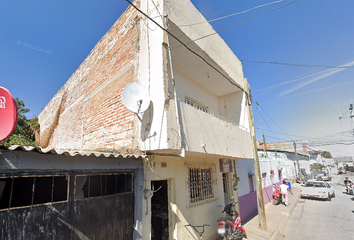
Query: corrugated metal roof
[72, 152]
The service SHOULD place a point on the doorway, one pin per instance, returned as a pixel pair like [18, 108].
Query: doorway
[159, 210]
[226, 188]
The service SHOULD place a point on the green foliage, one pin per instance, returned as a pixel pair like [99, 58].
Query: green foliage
[326, 154]
[18, 139]
[24, 132]
[317, 167]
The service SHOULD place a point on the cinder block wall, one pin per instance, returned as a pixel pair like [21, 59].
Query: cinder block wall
[88, 112]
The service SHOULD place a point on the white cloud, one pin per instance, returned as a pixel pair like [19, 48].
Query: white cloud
[326, 74]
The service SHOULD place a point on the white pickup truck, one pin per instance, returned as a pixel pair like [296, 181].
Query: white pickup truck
[317, 189]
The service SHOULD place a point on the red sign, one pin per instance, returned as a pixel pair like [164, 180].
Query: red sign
[8, 113]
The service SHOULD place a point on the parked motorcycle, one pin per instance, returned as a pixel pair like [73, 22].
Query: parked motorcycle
[230, 227]
[277, 198]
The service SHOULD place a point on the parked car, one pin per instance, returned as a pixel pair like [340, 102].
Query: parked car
[322, 176]
[342, 171]
[317, 189]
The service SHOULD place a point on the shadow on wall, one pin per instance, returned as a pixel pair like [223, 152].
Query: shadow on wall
[180, 228]
[146, 122]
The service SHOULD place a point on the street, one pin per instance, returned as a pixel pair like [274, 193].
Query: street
[319, 219]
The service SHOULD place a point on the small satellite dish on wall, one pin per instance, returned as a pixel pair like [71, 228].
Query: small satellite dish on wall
[136, 98]
[8, 113]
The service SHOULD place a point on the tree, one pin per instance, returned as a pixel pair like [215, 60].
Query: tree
[326, 154]
[317, 167]
[24, 133]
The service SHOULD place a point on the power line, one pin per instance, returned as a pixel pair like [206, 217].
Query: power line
[291, 81]
[231, 15]
[288, 118]
[183, 44]
[296, 64]
[209, 35]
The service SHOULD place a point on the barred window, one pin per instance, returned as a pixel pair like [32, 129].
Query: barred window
[200, 183]
[196, 104]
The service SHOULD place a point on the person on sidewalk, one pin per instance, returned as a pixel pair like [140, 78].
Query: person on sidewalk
[284, 188]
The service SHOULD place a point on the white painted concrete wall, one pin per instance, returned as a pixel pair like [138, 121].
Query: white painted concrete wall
[153, 128]
[159, 129]
[220, 137]
[243, 168]
[180, 214]
[183, 12]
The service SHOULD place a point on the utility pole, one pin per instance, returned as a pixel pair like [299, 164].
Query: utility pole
[260, 120]
[260, 203]
[298, 164]
[351, 112]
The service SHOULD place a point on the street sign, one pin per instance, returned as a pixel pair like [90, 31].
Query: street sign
[8, 113]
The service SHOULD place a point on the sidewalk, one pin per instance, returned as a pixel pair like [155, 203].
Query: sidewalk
[276, 217]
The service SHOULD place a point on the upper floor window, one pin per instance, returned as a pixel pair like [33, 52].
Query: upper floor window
[196, 104]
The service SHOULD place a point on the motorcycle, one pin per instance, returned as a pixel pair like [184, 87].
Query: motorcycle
[350, 188]
[230, 227]
[277, 199]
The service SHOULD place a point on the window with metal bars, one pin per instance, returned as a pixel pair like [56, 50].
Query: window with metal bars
[88, 186]
[196, 104]
[200, 183]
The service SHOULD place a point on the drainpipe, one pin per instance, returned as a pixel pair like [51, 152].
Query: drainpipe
[178, 117]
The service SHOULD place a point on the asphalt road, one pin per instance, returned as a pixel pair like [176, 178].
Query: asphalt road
[319, 219]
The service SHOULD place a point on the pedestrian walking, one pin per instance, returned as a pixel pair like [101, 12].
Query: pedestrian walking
[284, 188]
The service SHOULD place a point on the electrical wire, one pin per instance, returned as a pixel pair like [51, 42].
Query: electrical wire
[289, 118]
[342, 138]
[275, 122]
[207, 61]
[291, 81]
[231, 15]
[183, 44]
[234, 25]
[261, 116]
[157, 9]
[296, 64]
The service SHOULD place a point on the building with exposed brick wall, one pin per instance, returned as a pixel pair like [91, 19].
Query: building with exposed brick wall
[193, 131]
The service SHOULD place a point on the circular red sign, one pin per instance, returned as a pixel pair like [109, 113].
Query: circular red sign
[8, 113]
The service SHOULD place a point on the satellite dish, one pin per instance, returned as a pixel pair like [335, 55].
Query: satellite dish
[8, 113]
[136, 98]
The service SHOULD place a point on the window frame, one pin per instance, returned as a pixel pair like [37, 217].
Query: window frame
[200, 186]
[89, 175]
[191, 102]
[250, 182]
[33, 189]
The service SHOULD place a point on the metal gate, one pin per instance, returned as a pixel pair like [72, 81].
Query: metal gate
[104, 210]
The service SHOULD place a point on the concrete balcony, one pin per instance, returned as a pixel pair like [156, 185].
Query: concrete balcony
[206, 132]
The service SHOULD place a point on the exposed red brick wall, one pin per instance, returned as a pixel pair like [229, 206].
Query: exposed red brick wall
[88, 112]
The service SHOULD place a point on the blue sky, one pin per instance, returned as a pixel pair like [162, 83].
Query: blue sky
[43, 42]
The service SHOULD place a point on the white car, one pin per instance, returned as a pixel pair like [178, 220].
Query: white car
[322, 176]
[317, 189]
